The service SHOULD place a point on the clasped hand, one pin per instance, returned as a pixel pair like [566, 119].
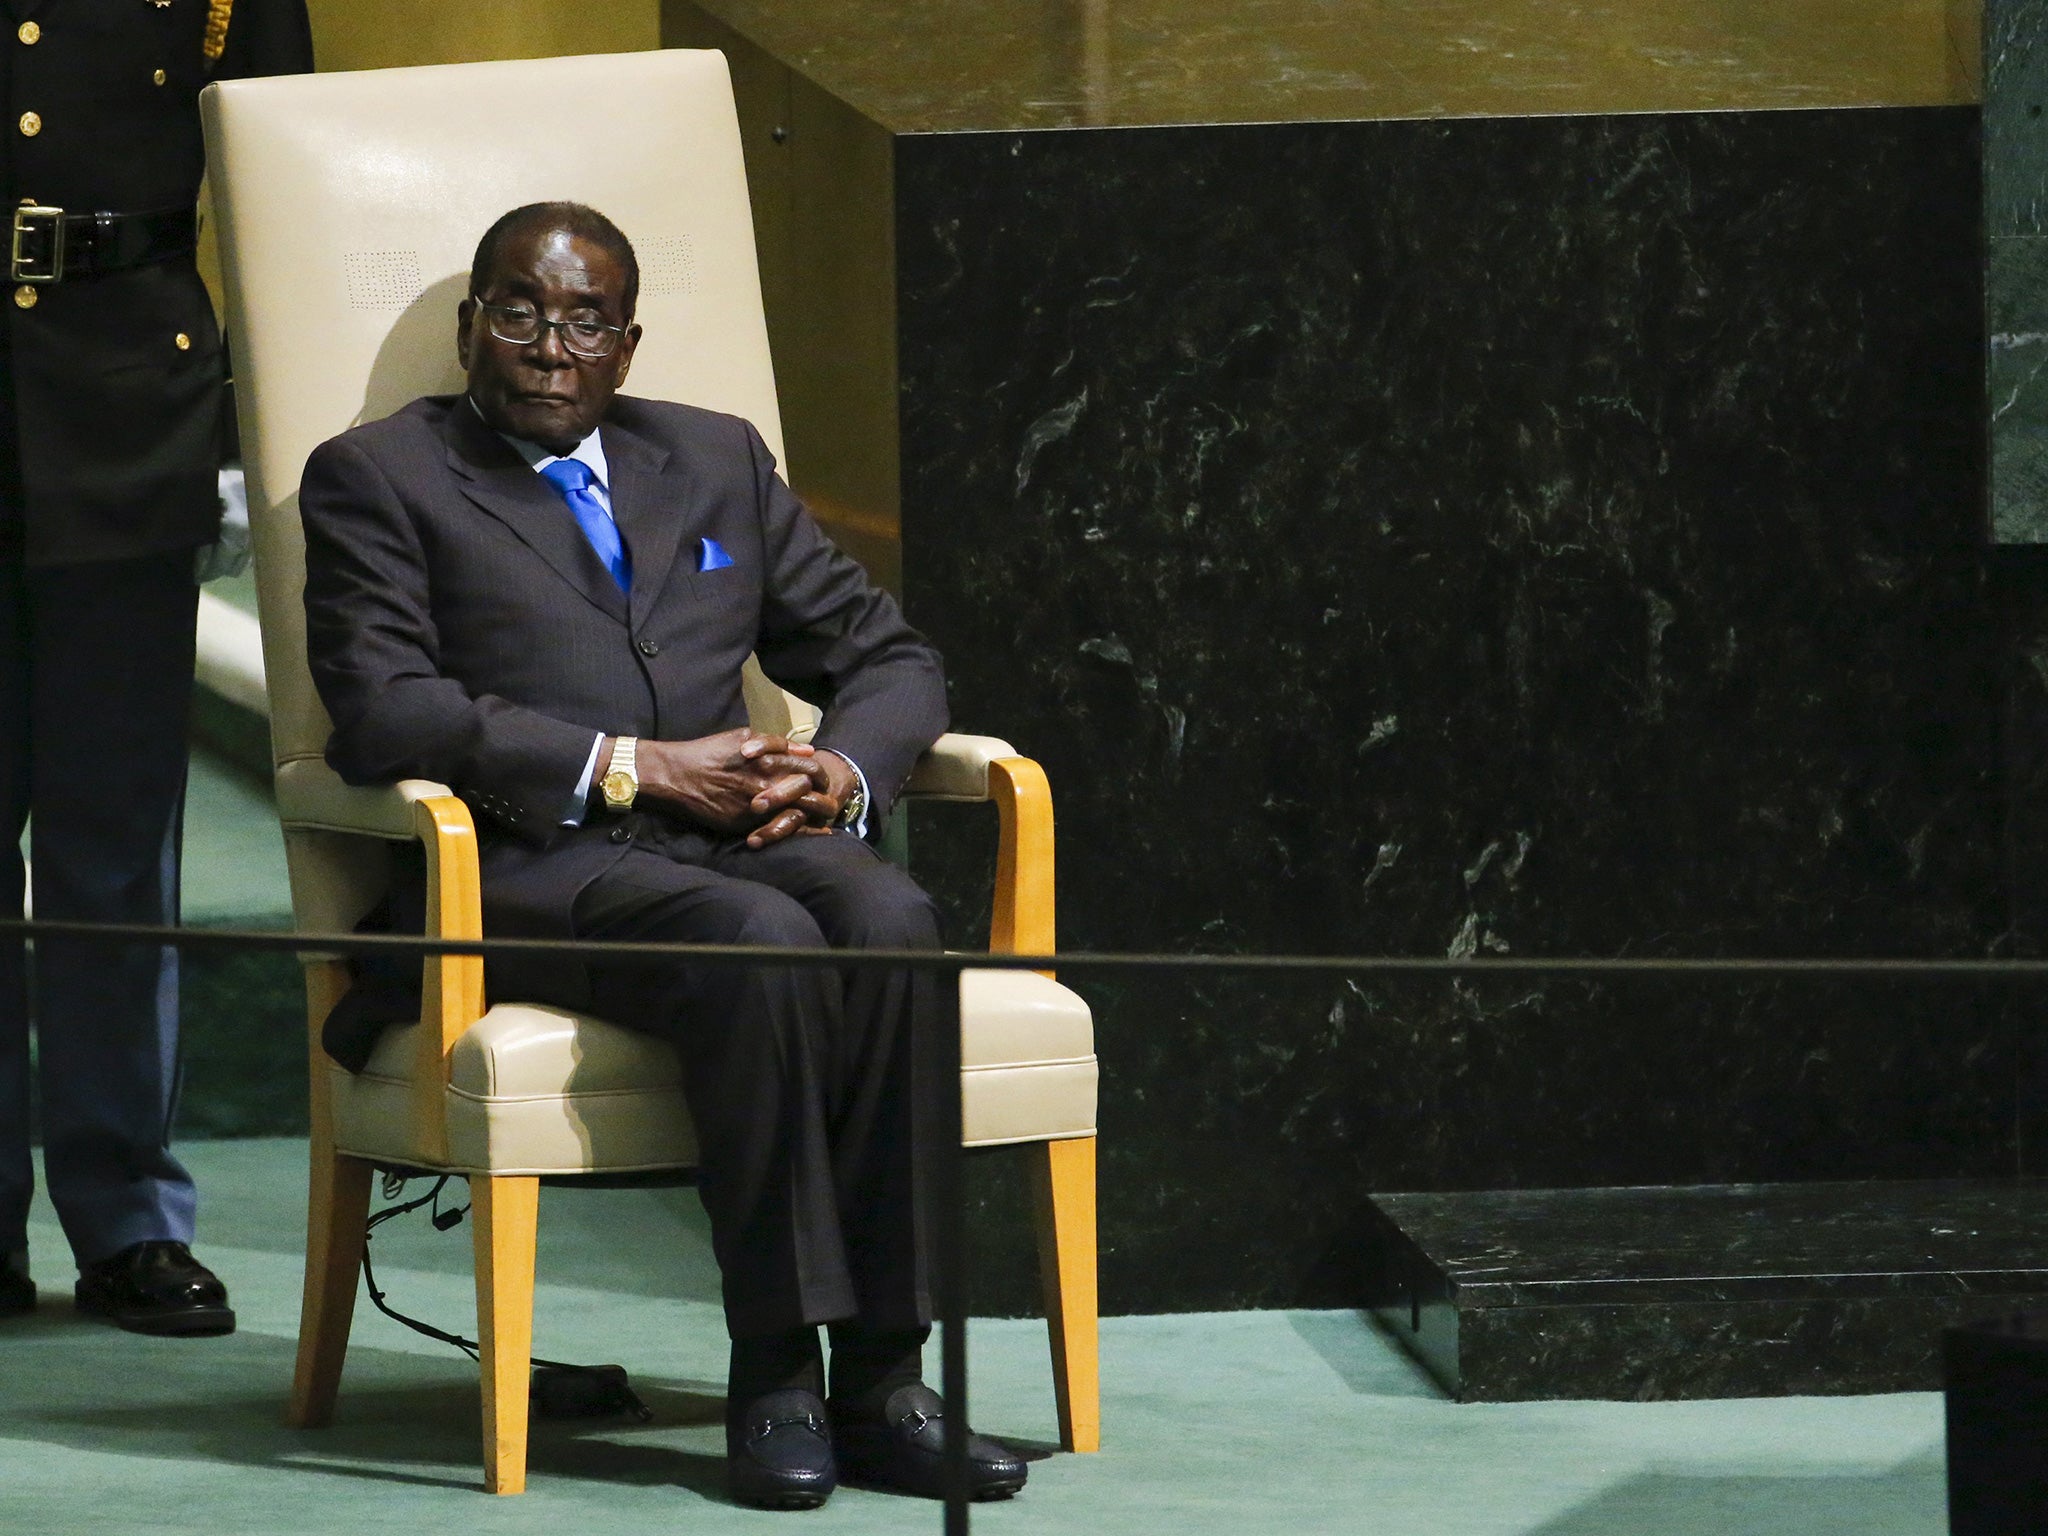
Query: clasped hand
[743, 780]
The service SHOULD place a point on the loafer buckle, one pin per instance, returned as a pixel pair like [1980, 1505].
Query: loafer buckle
[767, 1427]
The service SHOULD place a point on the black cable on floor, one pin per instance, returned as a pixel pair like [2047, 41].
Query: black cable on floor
[443, 1221]
[574, 1391]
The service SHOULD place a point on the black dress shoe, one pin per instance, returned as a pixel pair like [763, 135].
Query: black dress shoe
[156, 1287]
[778, 1452]
[17, 1292]
[904, 1450]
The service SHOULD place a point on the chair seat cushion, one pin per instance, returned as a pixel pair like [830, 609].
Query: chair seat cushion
[543, 1090]
[1020, 1018]
[1027, 1058]
[530, 1090]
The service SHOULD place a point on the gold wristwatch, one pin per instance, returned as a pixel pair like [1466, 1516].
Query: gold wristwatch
[621, 781]
[855, 805]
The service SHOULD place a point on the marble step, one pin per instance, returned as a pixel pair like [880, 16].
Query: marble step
[1724, 1290]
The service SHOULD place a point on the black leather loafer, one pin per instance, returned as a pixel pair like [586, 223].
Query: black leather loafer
[904, 1450]
[17, 1293]
[778, 1452]
[156, 1287]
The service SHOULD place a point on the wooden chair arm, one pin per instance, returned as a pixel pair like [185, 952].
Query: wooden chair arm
[976, 769]
[311, 797]
[1022, 922]
[451, 986]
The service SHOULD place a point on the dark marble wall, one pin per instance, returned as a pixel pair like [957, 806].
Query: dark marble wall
[1545, 536]
[2016, 229]
[2015, 174]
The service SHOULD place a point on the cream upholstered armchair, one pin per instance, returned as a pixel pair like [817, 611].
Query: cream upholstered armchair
[349, 206]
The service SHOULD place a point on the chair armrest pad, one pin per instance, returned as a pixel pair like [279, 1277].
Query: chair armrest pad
[956, 768]
[311, 797]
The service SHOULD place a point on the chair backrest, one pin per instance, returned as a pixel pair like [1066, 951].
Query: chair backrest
[349, 207]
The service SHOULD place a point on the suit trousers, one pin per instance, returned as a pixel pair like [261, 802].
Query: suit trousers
[95, 688]
[813, 1089]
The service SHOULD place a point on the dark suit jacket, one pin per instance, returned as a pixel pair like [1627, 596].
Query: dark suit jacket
[119, 430]
[460, 628]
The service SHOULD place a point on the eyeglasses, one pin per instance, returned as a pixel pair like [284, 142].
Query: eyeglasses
[523, 327]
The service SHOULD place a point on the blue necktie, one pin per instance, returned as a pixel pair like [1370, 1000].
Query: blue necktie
[572, 478]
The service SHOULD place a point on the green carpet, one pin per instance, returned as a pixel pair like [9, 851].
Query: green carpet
[234, 853]
[244, 1015]
[1214, 1425]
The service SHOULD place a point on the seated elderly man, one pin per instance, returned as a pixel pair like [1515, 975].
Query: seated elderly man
[541, 593]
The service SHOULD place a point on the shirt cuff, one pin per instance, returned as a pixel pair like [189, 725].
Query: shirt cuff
[582, 801]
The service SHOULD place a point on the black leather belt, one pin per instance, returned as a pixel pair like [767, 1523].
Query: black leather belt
[52, 246]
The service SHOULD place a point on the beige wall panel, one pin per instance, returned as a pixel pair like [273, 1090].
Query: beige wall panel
[760, 88]
[923, 66]
[822, 180]
[841, 383]
[377, 34]
[1966, 47]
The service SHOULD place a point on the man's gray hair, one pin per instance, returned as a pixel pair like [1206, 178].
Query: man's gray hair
[578, 219]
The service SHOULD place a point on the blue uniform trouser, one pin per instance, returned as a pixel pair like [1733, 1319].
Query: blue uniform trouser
[95, 688]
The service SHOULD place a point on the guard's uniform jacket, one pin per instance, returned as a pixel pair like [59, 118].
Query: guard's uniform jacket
[117, 375]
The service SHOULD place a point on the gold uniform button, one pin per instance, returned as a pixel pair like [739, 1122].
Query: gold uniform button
[25, 297]
[184, 342]
[31, 124]
[159, 77]
[29, 33]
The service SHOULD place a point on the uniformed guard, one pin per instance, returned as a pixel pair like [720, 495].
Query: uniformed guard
[111, 389]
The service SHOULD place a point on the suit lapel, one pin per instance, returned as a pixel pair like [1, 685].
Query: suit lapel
[649, 503]
[498, 481]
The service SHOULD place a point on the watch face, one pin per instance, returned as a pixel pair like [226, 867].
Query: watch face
[619, 788]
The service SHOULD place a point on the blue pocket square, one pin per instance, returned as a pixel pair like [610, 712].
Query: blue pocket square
[711, 555]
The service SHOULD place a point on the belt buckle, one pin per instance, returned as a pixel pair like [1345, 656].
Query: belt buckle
[38, 226]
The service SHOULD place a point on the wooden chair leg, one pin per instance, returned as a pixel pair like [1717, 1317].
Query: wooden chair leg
[504, 1216]
[338, 1203]
[1063, 1180]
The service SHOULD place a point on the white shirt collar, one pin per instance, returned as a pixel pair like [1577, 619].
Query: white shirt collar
[590, 451]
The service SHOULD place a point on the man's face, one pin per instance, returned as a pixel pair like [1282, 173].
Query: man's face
[540, 390]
